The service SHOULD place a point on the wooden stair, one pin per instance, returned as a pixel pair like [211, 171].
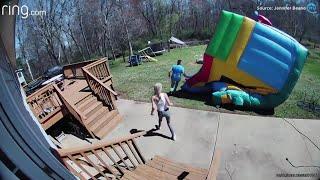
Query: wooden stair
[99, 119]
[121, 158]
[87, 93]
[160, 168]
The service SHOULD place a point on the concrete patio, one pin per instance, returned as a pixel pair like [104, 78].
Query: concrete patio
[253, 147]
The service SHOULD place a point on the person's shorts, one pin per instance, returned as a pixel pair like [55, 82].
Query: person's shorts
[165, 114]
[178, 78]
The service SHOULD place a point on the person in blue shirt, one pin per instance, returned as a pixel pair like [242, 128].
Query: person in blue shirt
[175, 75]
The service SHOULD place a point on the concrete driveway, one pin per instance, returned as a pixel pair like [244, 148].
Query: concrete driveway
[253, 147]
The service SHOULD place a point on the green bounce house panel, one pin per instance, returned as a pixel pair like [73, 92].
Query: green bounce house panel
[226, 33]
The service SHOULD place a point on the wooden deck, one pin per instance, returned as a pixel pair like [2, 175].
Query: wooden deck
[121, 158]
[163, 168]
[76, 89]
[86, 93]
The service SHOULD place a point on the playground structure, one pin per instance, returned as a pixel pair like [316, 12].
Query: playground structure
[147, 54]
[136, 59]
[248, 63]
[157, 48]
[144, 54]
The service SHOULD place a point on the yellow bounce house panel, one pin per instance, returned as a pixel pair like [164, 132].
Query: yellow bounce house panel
[220, 68]
[241, 41]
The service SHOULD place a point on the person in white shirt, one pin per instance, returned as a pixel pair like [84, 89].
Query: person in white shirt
[160, 102]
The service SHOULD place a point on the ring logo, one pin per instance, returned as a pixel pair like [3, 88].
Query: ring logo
[312, 8]
[23, 11]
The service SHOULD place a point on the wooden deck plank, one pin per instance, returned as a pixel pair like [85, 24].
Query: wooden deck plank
[181, 165]
[176, 171]
[111, 125]
[104, 121]
[87, 103]
[152, 173]
[74, 89]
[96, 116]
[93, 108]
[132, 176]
[80, 102]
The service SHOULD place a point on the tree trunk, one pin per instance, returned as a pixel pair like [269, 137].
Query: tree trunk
[304, 30]
[112, 50]
[76, 43]
[84, 37]
[127, 31]
[63, 48]
[123, 56]
[51, 52]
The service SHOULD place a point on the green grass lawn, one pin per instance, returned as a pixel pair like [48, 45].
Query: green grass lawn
[136, 83]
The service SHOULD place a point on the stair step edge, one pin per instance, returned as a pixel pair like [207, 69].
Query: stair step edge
[95, 116]
[85, 105]
[102, 122]
[112, 124]
[93, 107]
[80, 102]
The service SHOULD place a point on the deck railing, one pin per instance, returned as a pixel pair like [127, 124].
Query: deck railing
[99, 80]
[74, 70]
[44, 103]
[99, 69]
[108, 159]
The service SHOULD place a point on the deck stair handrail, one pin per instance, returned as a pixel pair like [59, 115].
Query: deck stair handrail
[71, 108]
[44, 103]
[108, 159]
[99, 80]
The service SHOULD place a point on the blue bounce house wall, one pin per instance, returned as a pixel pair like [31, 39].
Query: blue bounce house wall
[274, 100]
[267, 49]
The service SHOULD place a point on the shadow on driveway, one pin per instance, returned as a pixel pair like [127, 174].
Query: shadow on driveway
[150, 132]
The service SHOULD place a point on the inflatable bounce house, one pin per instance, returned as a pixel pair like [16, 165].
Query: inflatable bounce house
[248, 64]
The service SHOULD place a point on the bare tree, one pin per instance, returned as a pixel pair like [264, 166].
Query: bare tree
[77, 30]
